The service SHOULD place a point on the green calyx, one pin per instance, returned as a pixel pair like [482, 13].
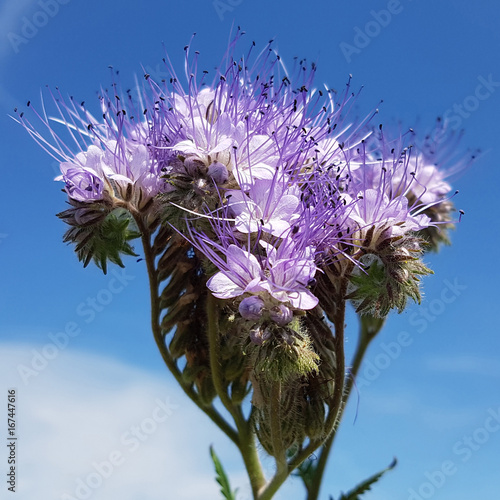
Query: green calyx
[104, 238]
[286, 355]
[388, 279]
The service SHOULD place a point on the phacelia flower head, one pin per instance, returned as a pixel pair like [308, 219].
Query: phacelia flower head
[101, 159]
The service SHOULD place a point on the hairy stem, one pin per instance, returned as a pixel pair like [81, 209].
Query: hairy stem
[248, 450]
[333, 415]
[215, 364]
[212, 413]
[246, 440]
[276, 436]
[368, 331]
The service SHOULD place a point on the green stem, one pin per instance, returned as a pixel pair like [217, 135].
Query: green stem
[248, 451]
[215, 364]
[276, 435]
[212, 413]
[333, 414]
[368, 330]
[246, 441]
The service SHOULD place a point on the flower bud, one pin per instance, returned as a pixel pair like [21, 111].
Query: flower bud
[258, 335]
[281, 315]
[388, 278]
[251, 308]
[218, 172]
[192, 164]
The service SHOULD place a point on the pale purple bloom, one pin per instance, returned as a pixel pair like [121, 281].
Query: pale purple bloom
[427, 185]
[290, 270]
[270, 205]
[407, 174]
[112, 168]
[374, 208]
[112, 153]
[83, 177]
[284, 275]
[242, 274]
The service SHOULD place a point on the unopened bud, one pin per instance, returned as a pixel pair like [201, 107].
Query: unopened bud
[218, 172]
[281, 315]
[251, 308]
[259, 335]
[193, 165]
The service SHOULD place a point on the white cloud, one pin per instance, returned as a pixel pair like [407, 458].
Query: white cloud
[465, 364]
[85, 411]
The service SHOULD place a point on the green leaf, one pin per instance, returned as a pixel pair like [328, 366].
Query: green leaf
[306, 471]
[365, 486]
[222, 478]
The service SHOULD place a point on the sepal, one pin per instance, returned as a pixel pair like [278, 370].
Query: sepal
[100, 233]
[387, 278]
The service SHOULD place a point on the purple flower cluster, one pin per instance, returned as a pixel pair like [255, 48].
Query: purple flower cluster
[113, 159]
[285, 183]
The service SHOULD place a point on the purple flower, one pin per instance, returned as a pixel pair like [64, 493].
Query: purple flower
[112, 154]
[242, 274]
[282, 276]
[388, 217]
[270, 205]
[84, 178]
[428, 184]
[290, 270]
[253, 118]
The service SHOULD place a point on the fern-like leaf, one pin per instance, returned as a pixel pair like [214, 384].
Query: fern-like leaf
[222, 478]
[355, 494]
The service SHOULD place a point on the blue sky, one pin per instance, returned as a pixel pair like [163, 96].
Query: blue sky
[429, 392]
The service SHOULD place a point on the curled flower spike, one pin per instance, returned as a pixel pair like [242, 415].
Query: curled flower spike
[108, 158]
